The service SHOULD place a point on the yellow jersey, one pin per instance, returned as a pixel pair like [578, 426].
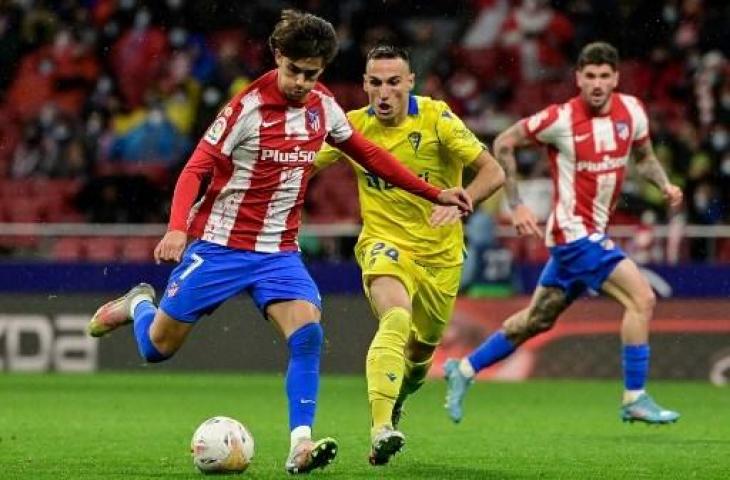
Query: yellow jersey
[434, 144]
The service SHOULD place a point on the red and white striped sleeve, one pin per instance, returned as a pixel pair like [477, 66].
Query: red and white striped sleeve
[543, 126]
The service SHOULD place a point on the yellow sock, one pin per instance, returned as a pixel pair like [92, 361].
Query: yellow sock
[413, 377]
[385, 364]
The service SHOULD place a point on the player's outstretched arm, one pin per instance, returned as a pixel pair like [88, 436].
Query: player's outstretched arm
[649, 167]
[171, 246]
[505, 144]
[386, 166]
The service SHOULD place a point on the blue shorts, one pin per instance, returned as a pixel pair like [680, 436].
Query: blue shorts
[584, 263]
[210, 274]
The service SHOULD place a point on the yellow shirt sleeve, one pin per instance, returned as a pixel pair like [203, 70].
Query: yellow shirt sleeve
[327, 156]
[461, 144]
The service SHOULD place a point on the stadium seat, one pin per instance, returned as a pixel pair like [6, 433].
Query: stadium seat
[25, 209]
[102, 249]
[722, 251]
[138, 249]
[13, 189]
[68, 249]
[535, 250]
[483, 62]
[525, 97]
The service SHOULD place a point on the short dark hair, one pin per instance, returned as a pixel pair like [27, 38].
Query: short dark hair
[389, 51]
[598, 53]
[303, 35]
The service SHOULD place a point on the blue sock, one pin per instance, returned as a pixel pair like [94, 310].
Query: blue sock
[635, 362]
[302, 376]
[144, 314]
[492, 350]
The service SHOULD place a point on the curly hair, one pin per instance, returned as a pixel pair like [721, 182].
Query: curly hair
[303, 35]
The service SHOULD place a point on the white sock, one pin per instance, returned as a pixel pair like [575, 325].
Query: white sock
[465, 368]
[632, 395]
[136, 301]
[300, 433]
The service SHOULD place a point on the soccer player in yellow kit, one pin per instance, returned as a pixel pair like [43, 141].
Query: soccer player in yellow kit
[410, 253]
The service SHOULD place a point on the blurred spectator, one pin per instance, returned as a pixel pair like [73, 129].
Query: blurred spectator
[536, 38]
[484, 31]
[154, 141]
[138, 58]
[62, 73]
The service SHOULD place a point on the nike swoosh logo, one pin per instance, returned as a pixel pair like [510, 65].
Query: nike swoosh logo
[268, 124]
[391, 376]
[580, 138]
[306, 400]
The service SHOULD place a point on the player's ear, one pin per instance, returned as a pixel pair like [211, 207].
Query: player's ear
[278, 57]
[411, 81]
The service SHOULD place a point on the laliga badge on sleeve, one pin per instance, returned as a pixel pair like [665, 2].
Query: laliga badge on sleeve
[215, 132]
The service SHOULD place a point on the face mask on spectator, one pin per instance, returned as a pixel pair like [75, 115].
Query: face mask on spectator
[701, 200]
[725, 165]
[142, 20]
[719, 139]
[156, 117]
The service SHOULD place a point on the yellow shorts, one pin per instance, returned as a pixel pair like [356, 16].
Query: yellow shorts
[432, 289]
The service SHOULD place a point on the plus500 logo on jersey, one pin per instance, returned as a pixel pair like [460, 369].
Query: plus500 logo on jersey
[296, 156]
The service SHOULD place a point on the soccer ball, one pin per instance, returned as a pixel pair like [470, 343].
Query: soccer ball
[222, 444]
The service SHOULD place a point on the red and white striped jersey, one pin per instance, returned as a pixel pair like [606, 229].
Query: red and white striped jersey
[588, 155]
[264, 148]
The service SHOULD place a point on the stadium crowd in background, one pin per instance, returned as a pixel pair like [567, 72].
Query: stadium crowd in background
[110, 95]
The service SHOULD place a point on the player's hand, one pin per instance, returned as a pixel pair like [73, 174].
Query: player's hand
[457, 197]
[673, 195]
[171, 247]
[525, 222]
[442, 215]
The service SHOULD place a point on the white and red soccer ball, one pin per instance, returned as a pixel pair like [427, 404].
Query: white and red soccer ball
[222, 444]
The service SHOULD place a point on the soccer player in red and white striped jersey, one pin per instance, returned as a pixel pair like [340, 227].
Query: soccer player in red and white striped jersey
[260, 151]
[589, 140]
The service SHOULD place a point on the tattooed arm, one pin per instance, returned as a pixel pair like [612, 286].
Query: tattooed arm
[649, 167]
[523, 219]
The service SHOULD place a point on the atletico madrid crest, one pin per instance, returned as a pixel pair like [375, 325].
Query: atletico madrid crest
[622, 129]
[313, 120]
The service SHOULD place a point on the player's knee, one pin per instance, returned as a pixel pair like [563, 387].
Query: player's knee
[645, 301]
[396, 319]
[539, 322]
[166, 341]
[307, 340]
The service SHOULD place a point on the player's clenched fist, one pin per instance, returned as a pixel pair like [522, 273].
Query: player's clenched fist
[171, 246]
[458, 197]
[673, 195]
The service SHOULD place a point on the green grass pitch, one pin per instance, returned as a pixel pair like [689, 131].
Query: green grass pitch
[138, 426]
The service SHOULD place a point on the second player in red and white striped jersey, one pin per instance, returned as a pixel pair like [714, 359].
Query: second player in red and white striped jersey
[588, 154]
